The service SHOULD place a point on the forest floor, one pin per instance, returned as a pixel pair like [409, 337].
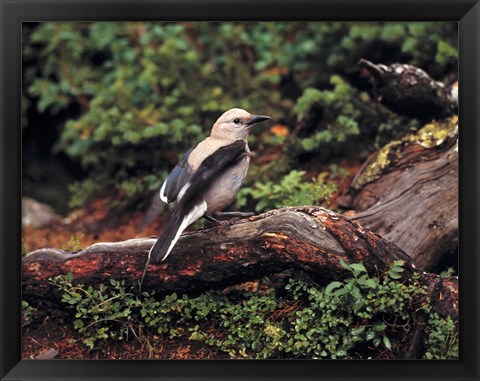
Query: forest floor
[92, 224]
[73, 234]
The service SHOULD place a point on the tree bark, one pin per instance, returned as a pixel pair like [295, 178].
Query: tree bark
[310, 239]
[410, 91]
[408, 193]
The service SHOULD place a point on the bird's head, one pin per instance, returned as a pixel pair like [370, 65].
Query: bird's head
[235, 124]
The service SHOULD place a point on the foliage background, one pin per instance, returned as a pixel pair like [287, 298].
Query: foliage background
[108, 108]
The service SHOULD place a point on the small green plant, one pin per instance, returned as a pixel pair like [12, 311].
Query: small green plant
[448, 272]
[28, 313]
[337, 172]
[73, 244]
[442, 341]
[101, 313]
[291, 190]
[343, 119]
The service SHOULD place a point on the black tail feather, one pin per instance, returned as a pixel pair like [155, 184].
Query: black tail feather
[159, 250]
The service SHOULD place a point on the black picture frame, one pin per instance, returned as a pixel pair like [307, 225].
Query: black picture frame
[14, 12]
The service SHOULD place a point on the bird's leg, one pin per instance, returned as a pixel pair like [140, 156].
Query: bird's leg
[213, 222]
[234, 214]
[232, 217]
[211, 219]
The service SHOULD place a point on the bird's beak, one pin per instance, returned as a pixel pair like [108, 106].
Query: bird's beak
[257, 119]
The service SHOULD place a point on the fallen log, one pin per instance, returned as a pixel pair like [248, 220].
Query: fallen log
[310, 239]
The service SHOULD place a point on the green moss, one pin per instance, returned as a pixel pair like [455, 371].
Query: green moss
[384, 159]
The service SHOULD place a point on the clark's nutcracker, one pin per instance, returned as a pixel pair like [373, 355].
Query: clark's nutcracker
[207, 178]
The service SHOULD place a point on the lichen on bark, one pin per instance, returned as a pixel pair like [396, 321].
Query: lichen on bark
[431, 135]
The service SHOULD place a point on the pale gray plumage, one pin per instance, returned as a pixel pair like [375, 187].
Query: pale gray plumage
[208, 177]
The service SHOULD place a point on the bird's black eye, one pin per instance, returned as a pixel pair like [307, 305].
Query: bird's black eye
[236, 120]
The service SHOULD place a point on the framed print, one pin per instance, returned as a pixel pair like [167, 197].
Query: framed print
[271, 189]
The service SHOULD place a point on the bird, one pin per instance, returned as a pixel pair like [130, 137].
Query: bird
[207, 178]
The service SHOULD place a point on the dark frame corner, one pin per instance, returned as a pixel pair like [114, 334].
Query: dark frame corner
[13, 12]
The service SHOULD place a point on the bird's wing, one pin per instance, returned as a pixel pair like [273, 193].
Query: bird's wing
[212, 166]
[177, 179]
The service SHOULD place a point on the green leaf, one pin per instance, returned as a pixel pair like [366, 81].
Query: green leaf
[387, 343]
[359, 330]
[341, 291]
[345, 265]
[394, 275]
[379, 326]
[372, 283]
[362, 280]
[358, 267]
[356, 292]
[78, 324]
[359, 303]
[332, 286]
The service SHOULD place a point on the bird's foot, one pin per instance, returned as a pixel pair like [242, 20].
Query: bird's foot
[224, 226]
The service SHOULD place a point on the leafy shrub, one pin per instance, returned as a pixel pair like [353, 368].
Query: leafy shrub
[145, 92]
[291, 190]
[344, 119]
[103, 313]
[342, 115]
[357, 310]
[342, 320]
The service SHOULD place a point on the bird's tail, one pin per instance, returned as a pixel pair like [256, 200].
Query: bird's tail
[178, 223]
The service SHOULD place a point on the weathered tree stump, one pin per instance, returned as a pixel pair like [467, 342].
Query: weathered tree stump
[408, 193]
[408, 190]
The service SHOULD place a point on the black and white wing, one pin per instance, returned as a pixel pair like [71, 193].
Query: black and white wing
[211, 167]
[177, 179]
